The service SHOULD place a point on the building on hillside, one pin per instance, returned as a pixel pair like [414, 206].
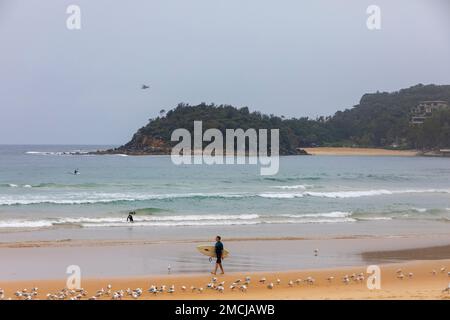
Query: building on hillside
[425, 110]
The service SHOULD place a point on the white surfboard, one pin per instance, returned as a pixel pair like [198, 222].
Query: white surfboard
[210, 251]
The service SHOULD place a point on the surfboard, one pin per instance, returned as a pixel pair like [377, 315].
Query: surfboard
[210, 251]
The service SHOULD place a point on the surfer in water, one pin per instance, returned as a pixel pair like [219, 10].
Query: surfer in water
[75, 172]
[218, 247]
[130, 216]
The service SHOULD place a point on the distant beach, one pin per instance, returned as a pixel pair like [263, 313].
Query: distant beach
[345, 151]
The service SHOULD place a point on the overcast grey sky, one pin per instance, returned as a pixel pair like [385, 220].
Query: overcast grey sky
[288, 57]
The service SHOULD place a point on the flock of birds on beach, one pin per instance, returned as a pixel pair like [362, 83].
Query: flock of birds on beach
[214, 284]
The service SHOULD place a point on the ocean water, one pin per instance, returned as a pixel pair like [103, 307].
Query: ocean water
[38, 190]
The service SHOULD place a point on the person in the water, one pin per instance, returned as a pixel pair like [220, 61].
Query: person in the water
[75, 171]
[130, 216]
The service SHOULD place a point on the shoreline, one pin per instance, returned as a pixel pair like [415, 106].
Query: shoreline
[415, 281]
[344, 151]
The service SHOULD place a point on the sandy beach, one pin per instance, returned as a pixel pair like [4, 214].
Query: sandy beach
[340, 151]
[409, 280]
[408, 270]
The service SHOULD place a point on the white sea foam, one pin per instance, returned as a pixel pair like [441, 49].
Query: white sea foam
[181, 220]
[26, 223]
[57, 153]
[100, 197]
[299, 186]
[272, 195]
[334, 214]
[93, 198]
[349, 194]
[374, 218]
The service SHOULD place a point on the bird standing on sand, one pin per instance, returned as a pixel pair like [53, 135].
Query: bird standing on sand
[278, 281]
[447, 290]
[310, 280]
[270, 286]
[262, 280]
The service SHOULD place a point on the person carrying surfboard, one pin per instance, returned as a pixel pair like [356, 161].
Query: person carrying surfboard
[218, 247]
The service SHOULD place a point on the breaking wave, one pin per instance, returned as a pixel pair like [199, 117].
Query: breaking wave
[82, 198]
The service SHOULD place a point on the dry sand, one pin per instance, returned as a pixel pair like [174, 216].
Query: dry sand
[338, 151]
[422, 285]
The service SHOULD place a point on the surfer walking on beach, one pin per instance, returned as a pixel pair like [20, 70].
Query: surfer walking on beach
[218, 247]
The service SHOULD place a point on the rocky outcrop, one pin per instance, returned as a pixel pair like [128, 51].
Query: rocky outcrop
[140, 144]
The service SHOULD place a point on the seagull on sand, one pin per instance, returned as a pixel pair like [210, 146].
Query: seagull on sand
[183, 288]
[278, 281]
[330, 278]
[298, 281]
[262, 280]
[447, 290]
[310, 280]
[270, 286]
[443, 269]
[290, 283]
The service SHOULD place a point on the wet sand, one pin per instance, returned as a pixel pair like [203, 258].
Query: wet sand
[138, 257]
